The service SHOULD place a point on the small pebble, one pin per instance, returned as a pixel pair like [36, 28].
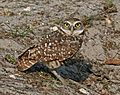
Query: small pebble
[55, 28]
[27, 9]
[12, 76]
[84, 91]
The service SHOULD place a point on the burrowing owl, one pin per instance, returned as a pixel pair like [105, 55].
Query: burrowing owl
[55, 47]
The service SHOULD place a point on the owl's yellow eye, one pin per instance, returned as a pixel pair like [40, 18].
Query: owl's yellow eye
[66, 25]
[77, 25]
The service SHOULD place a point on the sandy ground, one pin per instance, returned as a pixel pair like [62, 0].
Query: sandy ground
[23, 22]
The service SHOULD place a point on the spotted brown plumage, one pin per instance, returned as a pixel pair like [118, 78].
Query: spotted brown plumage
[55, 47]
[52, 47]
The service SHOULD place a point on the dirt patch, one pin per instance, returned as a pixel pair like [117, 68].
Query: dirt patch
[23, 22]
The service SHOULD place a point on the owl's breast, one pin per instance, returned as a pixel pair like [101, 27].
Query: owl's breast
[58, 48]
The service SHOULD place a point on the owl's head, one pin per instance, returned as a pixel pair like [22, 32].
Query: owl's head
[73, 27]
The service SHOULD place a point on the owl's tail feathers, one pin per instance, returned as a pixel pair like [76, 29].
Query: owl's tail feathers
[25, 61]
[24, 64]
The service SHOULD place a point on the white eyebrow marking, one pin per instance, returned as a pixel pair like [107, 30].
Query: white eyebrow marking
[76, 22]
[69, 22]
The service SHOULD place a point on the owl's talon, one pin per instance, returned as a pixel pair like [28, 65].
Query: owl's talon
[59, 77]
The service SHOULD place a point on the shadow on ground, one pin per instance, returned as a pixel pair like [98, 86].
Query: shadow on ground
[77, 70]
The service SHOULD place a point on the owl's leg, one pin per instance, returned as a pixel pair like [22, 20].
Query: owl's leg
[59, 77]
[56, 64]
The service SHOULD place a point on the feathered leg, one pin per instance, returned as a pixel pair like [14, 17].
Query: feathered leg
[54, 65]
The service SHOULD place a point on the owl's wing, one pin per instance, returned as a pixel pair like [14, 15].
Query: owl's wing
[25, 60]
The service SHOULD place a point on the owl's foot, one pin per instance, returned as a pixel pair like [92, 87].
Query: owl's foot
[59, 77]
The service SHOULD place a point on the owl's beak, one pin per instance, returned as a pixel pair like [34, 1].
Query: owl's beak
[72, 30]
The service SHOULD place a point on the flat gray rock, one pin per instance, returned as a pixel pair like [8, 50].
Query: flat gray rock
[9, 44]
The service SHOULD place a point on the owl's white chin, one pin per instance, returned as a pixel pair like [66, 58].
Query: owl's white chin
[77, 32]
